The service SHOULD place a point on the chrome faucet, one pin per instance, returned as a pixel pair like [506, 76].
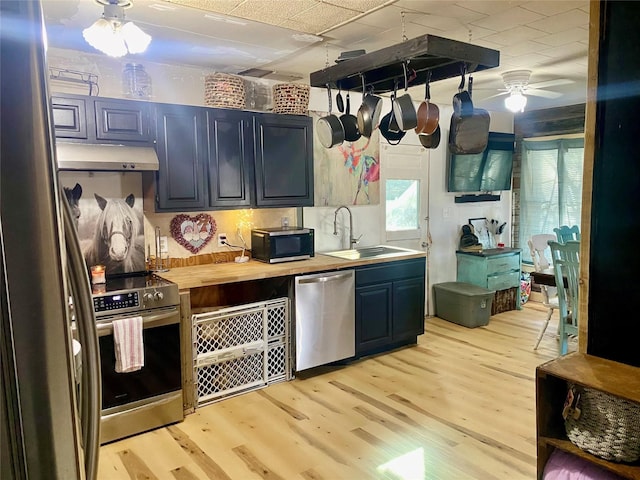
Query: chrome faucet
[352, 241]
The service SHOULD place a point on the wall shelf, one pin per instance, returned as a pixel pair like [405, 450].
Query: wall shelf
[443, 57]
[483, 197]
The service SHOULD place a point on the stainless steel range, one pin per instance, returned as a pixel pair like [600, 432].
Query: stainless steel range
[152, 396]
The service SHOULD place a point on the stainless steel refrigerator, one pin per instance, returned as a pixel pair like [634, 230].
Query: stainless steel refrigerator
[49, 422]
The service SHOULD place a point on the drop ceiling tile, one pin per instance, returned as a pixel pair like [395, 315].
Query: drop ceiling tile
[219, 6]
[273, 12]
[440, 8]
[563, 21]
[521, 48]
[514, 35]
[490, 7]
[529, 61]
[566, 52]
[349, 33]
[438, 21]
[508, 18]
[384, 18]
[477, 35]
[562, 38]
[360, 6]
[554, 7]
[322, 16]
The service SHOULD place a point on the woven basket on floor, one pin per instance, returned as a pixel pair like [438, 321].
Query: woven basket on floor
[224, 91]
[608, 426]
[291, 98]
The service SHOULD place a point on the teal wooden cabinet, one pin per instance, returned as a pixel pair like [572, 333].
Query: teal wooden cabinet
[495, 269]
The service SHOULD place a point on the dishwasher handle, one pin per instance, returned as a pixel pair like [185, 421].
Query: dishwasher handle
[327, 278]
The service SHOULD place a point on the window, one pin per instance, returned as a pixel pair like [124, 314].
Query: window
[402, 205]
[551, 186]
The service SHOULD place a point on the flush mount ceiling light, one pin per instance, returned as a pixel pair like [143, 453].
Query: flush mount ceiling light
[516, 83]
[516, 101]
[114, 36]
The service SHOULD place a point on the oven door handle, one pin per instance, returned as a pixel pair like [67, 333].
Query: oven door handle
[148, 321]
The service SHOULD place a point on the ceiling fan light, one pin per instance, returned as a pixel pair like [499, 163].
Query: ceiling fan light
[112, 35]
[137, 41]
[104, 35]
[515, 102]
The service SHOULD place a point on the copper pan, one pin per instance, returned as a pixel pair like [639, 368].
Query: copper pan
[428, 113]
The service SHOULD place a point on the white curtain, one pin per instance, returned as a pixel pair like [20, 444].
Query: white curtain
[550, 187]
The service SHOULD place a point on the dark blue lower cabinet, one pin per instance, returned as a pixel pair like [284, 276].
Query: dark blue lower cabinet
[389, 305]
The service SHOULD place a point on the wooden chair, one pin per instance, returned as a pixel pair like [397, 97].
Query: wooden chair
[565, 233]
[538, 244]
[566, 264]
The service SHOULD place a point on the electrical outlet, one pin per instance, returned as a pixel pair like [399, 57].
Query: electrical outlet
[222, 238]
[164, 246]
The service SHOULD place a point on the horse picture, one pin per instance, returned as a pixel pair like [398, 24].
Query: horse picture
[73, 197]
[118, 242]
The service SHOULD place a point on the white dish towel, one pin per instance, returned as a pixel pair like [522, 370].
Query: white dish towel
[128, 345]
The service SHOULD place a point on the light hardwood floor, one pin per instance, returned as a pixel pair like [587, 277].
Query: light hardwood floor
[459, 405]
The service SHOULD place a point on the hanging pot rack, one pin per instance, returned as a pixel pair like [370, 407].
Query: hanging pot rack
[442, 57]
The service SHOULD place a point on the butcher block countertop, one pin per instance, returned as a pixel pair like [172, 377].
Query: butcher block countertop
[231, 272]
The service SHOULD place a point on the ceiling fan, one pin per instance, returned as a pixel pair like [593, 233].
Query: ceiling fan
[517, 86]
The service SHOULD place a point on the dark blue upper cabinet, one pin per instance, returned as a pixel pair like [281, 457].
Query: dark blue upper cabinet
[283, 160]
[182, 152]
[230, 160]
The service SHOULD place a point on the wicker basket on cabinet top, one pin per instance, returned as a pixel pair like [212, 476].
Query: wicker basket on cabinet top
[291, 98]
[224, 91]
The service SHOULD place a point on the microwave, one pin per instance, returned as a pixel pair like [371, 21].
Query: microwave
[282, 244]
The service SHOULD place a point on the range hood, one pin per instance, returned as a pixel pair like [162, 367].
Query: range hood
[102, 157]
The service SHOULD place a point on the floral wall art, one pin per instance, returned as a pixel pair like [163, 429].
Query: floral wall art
[347, 174]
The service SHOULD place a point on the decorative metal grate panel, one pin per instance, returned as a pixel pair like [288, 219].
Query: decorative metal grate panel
[228, 377]
[223, 330]
[277, 363]
[242, 348]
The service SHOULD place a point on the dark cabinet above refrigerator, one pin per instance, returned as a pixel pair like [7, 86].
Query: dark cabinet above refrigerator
[443, 57]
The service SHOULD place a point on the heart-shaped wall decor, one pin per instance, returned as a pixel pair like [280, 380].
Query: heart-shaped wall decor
[193, 233]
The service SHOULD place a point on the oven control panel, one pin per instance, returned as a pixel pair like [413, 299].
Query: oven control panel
[106, 303]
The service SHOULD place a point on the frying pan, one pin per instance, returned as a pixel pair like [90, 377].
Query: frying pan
[428, 113]
[329, 127]
[432, 140]
[369, 112]
[389, 128]
[403, 108]
[469, 130]
[350, 124]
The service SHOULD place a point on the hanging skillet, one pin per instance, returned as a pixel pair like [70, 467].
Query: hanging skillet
[432, 140]
[350, 124]
[428, 112]
[369, 112]
[389, 128]
[330, 129]
[469, 131]
[403, 108]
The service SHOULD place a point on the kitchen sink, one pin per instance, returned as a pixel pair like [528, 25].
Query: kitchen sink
[378, 251]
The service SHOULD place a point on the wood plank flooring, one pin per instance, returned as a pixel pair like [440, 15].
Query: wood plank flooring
[459, 405]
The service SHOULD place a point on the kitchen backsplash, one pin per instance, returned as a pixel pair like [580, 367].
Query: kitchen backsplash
[236, 224]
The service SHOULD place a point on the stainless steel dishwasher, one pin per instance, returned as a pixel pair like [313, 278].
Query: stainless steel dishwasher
[324, 318]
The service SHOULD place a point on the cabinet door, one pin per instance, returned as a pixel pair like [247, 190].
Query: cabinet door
[373, 317]
[283, 160]
[230, 158]
[69, 117]
[125, 121]
[182, 153]
[408, 308]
